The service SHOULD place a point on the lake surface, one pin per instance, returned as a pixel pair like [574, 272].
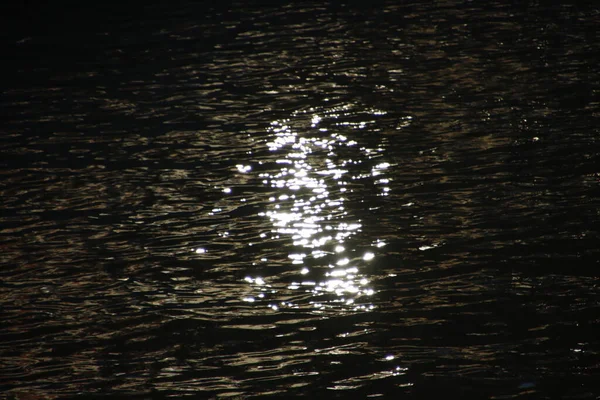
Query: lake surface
[399, 200]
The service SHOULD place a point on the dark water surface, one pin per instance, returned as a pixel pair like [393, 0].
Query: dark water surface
[399, 200]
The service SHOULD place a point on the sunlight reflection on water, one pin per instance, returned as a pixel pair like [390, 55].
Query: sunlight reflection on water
[313, 182]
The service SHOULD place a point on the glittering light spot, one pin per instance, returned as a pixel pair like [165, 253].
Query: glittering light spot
[297, 258]
[243, 168]
[227, 190]
[368, 256]
[427, 247]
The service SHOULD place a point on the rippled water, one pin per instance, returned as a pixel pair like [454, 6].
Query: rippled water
[391, 201]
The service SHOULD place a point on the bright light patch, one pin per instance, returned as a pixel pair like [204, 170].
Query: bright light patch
[243, 168]
[310, 184]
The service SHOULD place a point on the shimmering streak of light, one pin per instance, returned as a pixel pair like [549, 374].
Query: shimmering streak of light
[351, 272]
[312, 244]
[429, 247]
[243, 168]
[339, 287]
[341, 282]
[305, 208]
[322, 306]
[257, 281]
[355, 125]
[377, 170]
[343, 226]
[334, 172]
[406, 121]
[343, 261]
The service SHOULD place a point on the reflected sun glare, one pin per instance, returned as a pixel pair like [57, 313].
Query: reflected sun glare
[310, 207]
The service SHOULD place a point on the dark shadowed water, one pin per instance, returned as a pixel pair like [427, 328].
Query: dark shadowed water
[399, 200]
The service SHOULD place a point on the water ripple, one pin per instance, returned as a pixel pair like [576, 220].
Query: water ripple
[306, 200]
